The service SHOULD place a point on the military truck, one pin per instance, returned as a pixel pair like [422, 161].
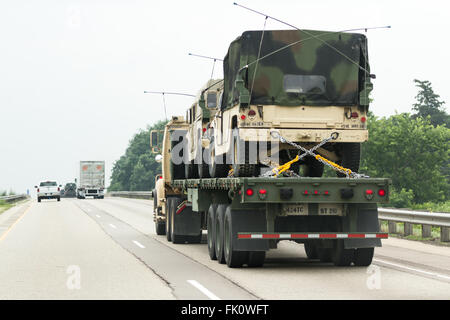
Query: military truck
[199, 116]
[336, 219]
[302, 84]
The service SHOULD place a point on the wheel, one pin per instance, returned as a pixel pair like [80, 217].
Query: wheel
[312, 168]
[311, 250]
[324, 254]
[190, 170]
[350, 157]
[342, 257]
[160, 228]
[363, 257]
[256, 259]
[203, 168]
[233, 258]
[168, 229]
[216, 170]
[59, 198]
[219, 231]
[39, 199]
[211, 232]
[242, 169]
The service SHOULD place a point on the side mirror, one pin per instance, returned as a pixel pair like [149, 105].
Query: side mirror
[154, 138]
[35, 187]
[158, 158]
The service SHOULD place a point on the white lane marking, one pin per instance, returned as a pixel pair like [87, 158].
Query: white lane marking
[112, 226]
[98, 216]
[413, 269]
[138, 244]
[205, 291]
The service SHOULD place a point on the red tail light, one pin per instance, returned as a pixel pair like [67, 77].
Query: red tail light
[355, 115]
[204, 129]
[249, 191]
[381, 192]
[363, 119]
[262, 191]
[369, 191]
[251, 113]
[243, 117]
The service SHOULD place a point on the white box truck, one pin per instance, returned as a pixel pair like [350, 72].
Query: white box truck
[92, 180]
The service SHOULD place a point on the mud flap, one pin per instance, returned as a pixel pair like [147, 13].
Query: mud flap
[248, 221]
[362, 218]
[187, 222]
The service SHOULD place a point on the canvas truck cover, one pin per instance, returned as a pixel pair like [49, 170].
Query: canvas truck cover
[92, 174]
[331, 71]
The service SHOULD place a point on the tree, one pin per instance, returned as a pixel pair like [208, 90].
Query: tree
[412, 152]
[137, 168]
[428, 104]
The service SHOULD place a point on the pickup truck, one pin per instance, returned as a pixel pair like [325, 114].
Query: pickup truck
[48, 190]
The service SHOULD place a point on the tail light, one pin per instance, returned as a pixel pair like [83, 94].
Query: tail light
[38, 190]
[243, 117]
[249, 191]
[262, 191]
[363, 119]
[369, 192]
[381, 192]
[251, 113]
[204, 129]
[355, 115]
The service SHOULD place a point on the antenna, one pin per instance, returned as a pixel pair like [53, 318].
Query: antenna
[172, 93]
[206, 57]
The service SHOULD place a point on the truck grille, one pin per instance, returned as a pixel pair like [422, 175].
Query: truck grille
[92, 191]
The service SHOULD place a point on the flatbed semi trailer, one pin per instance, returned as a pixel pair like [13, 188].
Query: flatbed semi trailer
[335, 218]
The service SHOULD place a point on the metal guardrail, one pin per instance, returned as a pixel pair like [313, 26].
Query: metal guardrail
[410, 218]
[393, 216]
[14, 198]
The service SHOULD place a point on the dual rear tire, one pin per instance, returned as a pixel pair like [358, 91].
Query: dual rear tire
[361, 257]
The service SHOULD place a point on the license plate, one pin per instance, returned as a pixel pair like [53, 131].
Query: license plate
[295, 209]
[326, 209]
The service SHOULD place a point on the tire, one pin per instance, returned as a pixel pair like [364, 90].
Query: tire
[211, 231]
[342, 257]
[256, 259]
[216, 170]
[160, 228]
[233, 258]
[311, 250]
[219, 233]
[168, 228]
[363, 257]
[312, 168]
[324, 254]
[350, 157]
[245, 169]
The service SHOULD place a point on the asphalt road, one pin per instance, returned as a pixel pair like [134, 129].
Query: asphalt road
[108, 249]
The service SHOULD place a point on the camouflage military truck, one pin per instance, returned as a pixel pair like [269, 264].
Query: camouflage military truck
[304, 86]
[198, 116]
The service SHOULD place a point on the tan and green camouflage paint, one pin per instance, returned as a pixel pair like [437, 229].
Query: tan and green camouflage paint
[345, 76]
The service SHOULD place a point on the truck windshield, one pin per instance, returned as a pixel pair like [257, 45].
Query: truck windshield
[48, 184]
[312, 84]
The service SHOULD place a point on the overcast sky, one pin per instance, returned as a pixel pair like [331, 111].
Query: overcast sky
[72, 73]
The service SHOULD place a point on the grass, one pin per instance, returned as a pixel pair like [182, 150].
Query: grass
[5, 206]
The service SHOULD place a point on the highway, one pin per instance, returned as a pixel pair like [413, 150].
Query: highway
[108, 249]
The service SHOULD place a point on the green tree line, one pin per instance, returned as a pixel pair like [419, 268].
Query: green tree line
[137, 168]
